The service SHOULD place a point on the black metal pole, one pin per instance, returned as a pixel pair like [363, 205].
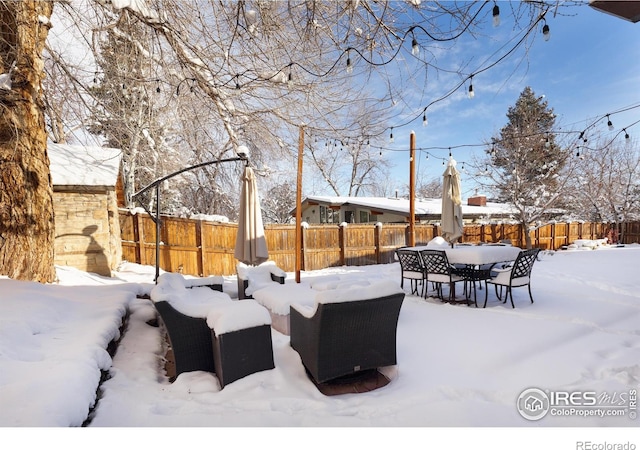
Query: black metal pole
[157, 232]
[156, 184]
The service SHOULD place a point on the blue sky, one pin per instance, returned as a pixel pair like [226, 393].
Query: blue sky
[589, 67]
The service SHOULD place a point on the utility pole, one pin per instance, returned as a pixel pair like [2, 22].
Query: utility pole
[299, 205]
[412, 189]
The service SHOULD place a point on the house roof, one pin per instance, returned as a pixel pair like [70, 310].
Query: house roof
[76, 165]
[423, 207]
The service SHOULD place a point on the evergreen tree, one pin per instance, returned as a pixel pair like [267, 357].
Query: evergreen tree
[524, 161]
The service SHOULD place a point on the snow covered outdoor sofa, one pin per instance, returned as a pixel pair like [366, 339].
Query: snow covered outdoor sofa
[278, 298]
[210, 332]
[347, 330]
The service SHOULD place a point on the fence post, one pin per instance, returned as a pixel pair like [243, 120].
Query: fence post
[200, 246]
[377, 240]
[140, 244]
[302, 257]
[342, 242]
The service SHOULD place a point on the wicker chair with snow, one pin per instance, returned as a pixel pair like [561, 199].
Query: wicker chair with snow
[252, 278]
[209, 332]
[516, 275]
[347, 331]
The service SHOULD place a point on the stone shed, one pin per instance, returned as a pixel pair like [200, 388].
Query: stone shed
[87, 226]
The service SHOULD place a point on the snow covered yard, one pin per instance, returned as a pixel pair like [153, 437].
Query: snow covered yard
[458, 366]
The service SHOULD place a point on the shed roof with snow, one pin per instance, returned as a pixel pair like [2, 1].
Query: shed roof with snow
[83, 167]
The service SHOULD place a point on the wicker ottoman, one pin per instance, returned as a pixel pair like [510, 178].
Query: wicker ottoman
[241, 340]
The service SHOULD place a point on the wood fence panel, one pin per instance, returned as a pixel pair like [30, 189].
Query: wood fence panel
[359, 245]
[512, 232]
[203, 248]
[543, 237]
[574, 231]
[631, 233]
[218, 242]
[321, 247]
[392, 236]
[281, 242]
[424, 233]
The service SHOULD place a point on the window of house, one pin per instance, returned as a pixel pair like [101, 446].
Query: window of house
[328, 215]
[364, 217]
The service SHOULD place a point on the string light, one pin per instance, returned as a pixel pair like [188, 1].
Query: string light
[626, 135]
[609, 123]
[425, 122]
[415, 48]
[496, 15]
[546, 33]
[471, 93]
[391, 135]
[349, 66]
[547, 144]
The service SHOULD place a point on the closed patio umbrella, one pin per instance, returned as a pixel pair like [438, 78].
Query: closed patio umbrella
[451, 222]
[251, 245]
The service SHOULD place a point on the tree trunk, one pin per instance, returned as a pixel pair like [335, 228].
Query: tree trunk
[527, 235]
[26, 198]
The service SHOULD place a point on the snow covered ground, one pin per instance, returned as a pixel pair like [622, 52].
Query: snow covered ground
[458, 367]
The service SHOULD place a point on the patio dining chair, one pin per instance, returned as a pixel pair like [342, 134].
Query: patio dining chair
[412, 268]
[439, 271]
[517, 275]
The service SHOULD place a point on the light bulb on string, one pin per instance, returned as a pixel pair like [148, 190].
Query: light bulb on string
[496, 15]
[415, 48]
[609, 123]
[425, 122]
[391, 135]
[546, 33]
[547, 143]
[349, 65]
[290, 77]
[626, 135]
[471, 93]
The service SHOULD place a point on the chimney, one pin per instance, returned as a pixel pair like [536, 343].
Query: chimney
[477, 200]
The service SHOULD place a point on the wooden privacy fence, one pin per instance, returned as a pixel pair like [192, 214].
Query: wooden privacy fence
[198, 247]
